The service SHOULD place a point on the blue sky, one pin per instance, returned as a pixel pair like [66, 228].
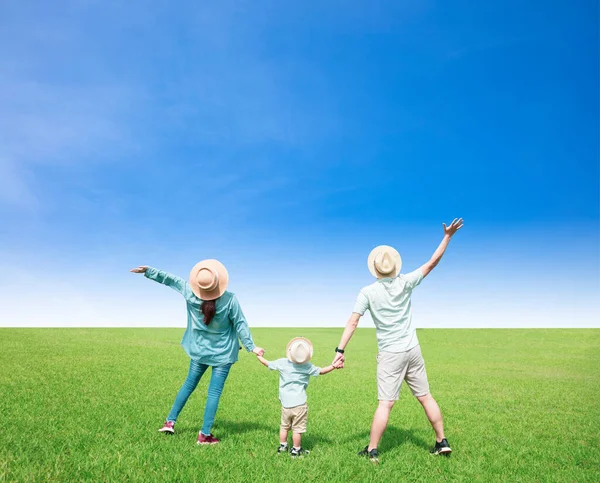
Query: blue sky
[288, 140]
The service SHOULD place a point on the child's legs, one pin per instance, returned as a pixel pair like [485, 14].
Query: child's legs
[192, 380]
[297, 440]
[300, 418]
[215, 389]
[286, 424]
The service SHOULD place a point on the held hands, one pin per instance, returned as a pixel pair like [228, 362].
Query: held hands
[456, 225]
[140, 269]
[259, 351]
[338, 361]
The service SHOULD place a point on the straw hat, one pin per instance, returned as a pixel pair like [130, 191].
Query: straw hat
[299, 350]
[384, 261]
[209, 279]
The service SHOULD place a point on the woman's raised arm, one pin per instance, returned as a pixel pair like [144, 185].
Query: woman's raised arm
[173, 281]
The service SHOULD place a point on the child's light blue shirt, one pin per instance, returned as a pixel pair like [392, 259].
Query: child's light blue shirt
[217, 343]
[293, 379]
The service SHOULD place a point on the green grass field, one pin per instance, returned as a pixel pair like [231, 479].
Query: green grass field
[85, 404]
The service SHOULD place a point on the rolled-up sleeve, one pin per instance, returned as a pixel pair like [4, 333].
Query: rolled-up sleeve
[362, 304]
[241, 325]
[414, 278]
[314, 370]
[176, 283]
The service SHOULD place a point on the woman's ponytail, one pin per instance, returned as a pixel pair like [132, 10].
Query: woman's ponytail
[208, 308]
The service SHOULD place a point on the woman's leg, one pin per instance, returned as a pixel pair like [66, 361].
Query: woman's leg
[192, 380]
[215, 388]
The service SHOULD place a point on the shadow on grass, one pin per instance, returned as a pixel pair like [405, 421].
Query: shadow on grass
[224, 426]
[392, 438]
[241, 427]
[309, 440]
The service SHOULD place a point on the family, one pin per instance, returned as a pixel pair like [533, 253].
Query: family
[215, 323]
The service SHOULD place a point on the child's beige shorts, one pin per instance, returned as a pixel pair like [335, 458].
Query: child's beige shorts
[294, 418]
[394, 367]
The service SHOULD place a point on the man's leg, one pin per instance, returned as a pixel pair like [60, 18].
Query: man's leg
[416, 378]
[380, 420]
[432, 410]
[391, 368]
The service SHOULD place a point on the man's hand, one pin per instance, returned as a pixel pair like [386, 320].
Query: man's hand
[338, 361]
[259, 351]
[456, 225]
[140, 269]
[449, 231]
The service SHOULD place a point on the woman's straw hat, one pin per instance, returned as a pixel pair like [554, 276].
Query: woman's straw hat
[384, 261]
[209, 279]
[299, 350]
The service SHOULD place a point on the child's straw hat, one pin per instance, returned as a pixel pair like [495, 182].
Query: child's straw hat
[299, 350]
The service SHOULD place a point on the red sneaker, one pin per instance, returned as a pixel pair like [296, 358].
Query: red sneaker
[210, 439]
[169, 427]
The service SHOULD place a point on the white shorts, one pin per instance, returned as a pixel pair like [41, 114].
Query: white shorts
[395, 367]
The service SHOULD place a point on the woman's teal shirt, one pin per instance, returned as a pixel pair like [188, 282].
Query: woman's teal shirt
[217, 343]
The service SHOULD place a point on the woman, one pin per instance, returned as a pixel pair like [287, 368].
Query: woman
[214, 323]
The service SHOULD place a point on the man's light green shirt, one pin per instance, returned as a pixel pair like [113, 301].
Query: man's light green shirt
[388, 301]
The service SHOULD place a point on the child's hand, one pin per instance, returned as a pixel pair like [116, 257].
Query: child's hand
[259, 351]
[262, 360]
[338, 361]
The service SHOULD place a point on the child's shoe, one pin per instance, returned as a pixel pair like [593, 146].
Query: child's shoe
[169, 427]
[283, 448]
[298, 452]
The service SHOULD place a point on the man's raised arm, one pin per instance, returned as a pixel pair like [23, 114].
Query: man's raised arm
[449, 231]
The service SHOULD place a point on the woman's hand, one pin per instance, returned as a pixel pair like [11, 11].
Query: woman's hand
[259, 351]
[140, 269]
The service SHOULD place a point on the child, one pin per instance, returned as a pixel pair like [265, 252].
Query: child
[294, 373]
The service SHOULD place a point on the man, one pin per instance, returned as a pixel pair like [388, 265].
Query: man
[399, 357]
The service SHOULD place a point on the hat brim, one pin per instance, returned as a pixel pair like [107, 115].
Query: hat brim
[290, 356]
[395, 256]
[223, 275]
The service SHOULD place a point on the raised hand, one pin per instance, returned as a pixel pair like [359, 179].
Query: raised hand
[456, 225]
[259, 351]
[140, 269]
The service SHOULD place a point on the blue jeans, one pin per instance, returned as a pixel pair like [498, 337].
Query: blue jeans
[215, 388]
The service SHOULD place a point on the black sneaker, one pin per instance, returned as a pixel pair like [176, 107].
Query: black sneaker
[283, 448]
[298, 452]
[372, 455]
[441, 448]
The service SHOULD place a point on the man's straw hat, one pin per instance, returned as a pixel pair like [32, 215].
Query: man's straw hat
[384, 261]
[209, 279]
[299, 350]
